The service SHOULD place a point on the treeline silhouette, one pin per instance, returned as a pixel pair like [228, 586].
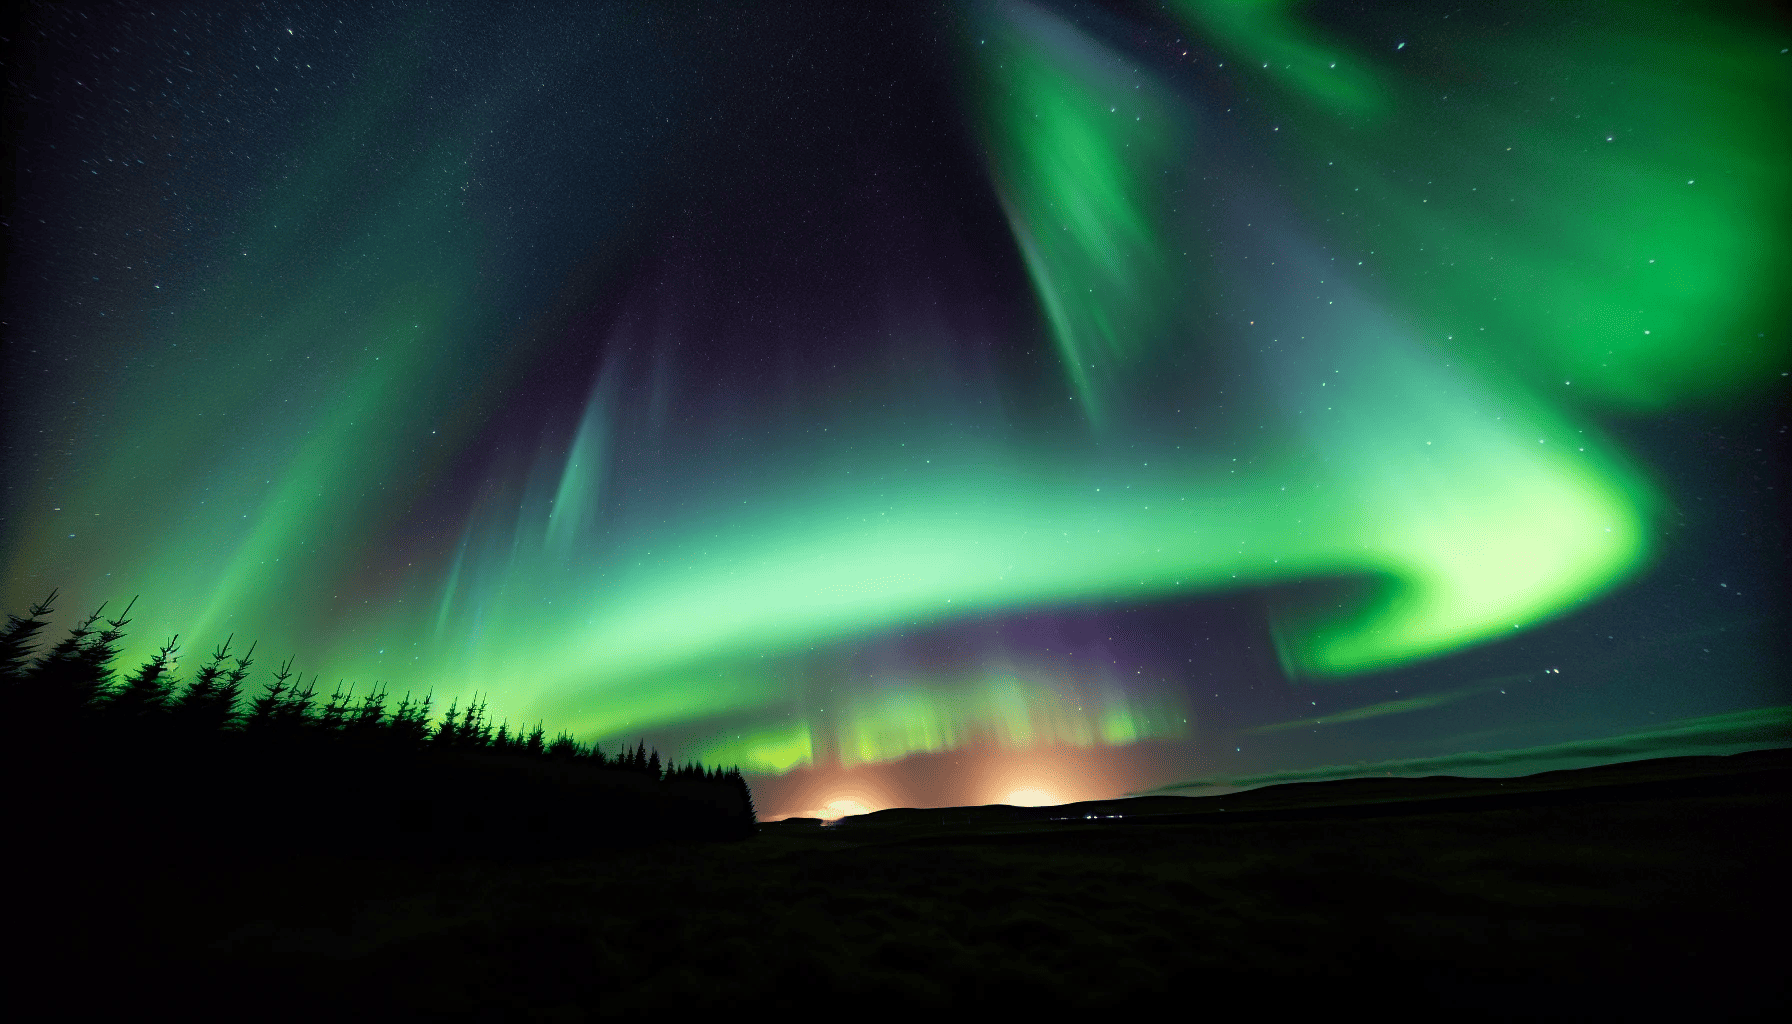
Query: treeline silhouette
[147, 760]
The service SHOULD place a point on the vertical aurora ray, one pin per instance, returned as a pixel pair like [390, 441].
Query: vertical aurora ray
[1076, 141]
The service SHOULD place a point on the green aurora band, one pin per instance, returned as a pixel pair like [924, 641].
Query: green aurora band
[1434, 440]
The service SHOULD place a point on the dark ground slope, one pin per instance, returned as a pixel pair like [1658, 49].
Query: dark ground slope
[1656, 890]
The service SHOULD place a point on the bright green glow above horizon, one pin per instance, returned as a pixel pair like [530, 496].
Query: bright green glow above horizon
[891, 719]
[1481, 516]
[1431, 308]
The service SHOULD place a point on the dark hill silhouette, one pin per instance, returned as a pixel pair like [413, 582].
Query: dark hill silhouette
[1366, 797]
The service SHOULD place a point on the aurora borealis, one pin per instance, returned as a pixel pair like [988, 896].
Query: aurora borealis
[927, 405]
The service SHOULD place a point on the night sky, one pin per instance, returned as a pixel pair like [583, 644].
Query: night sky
[927, 404]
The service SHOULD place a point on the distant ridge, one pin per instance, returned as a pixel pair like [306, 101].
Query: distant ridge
[1645, 779]
[1732, 732]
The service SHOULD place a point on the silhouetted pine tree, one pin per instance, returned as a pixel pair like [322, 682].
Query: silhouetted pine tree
[410, 722]
[230, 691]
[294, 712]
[62, 681]
[280, 711]
[78, 673]
[468, 728]
[335, 713]
[369, 719]
[739, 782]
[206, 705]
[475, 729]
[262, 708]
[484, 737]
[18, 639]
[447, 732]
[97, 656]
[205, 683]
[147, 692]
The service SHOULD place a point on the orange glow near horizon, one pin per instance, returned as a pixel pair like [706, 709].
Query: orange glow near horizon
[1045, 775]
[836, 809]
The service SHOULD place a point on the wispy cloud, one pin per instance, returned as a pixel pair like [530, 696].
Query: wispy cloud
[1391, 707]
[1726, 733]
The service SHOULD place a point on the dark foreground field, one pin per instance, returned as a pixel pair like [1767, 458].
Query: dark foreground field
[1655, 890]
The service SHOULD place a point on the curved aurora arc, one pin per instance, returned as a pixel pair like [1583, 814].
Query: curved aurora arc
[1424, 427]
[1485, 510]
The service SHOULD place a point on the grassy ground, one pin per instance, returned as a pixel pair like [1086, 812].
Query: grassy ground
[1654, 905]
